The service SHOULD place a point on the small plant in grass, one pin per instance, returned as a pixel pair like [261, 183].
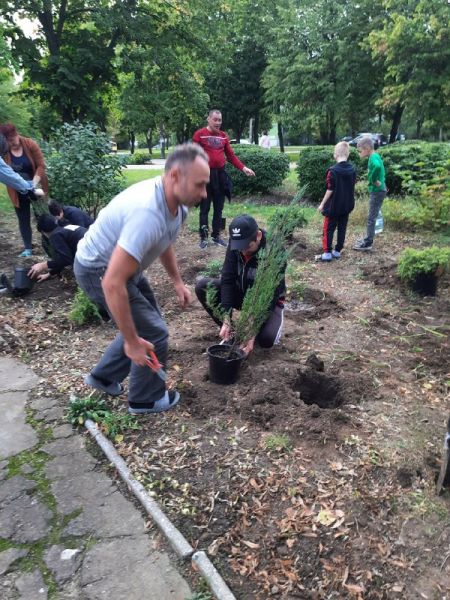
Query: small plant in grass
[433, 260]
[212, 269]
[114, 424]
[278, 442]
[83, 309]
[81, 409]
[95, 409]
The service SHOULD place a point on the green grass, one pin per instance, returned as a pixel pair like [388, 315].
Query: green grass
[5, 202]
[134, 176]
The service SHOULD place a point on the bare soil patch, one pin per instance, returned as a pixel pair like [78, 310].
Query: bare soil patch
[313, 476]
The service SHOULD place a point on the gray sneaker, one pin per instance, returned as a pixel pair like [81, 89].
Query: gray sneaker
[363, 246]
[168, 401]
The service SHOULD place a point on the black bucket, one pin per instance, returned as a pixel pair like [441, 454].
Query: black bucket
[221, 369]
[21, 280]
[425, 284]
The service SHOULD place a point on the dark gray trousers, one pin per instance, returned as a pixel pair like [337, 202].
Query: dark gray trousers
[375, 203]
[144, 385]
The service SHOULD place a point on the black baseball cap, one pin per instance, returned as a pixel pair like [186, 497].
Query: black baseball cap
[242, 230]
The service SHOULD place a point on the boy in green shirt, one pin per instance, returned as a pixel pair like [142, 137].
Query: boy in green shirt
[377, 190]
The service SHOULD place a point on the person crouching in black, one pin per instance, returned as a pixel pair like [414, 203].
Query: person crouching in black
[238, 275]
[63, 242]
[69, 215]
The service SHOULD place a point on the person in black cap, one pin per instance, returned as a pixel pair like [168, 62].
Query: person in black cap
[64, 242]
[238, 274]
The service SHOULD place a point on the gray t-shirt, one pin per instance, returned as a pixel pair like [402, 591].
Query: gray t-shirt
[138, 220]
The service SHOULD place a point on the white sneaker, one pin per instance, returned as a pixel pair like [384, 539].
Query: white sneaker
[325, 257]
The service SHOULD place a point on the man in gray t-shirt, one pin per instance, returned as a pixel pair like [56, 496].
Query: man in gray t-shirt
[139, 225]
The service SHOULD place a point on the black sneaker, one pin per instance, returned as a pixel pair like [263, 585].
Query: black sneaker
[363, 245]
[219, 242]
[203, 244]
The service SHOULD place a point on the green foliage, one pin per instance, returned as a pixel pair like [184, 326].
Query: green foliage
[409, 166]
[430, 260]
[213, 268]
[312, 166]
[83, 309]
[296, 218]
[95, 409]
[81, 171]
[270, 167]
[278, 442]
[138, 158]
[81, 409]
[114, 424]
[271, 266]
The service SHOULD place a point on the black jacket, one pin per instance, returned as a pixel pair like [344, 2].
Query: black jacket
[76, 216]
[238, 276]
[342, 202]
[64, 241]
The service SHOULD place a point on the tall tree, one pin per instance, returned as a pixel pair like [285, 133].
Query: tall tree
[69, 61]
[413, 49]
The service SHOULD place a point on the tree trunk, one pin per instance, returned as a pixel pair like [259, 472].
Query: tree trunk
[419, 124]
[148, 139]
[396, 120]
[132, 142]
[280, 136]
[256, 129]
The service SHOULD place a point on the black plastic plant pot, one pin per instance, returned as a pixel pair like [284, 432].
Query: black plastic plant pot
[223, 368]
[21, 279]
[425, 284]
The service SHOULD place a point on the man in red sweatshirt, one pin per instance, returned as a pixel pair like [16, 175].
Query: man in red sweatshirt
[217, 146]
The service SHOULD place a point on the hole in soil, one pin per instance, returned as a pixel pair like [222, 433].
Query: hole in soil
[318, 388]
[314, 304]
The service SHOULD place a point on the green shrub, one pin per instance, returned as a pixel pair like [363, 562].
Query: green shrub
[413, 262]
[83, 309]
[429, 210]
[138, 158]
[296, 218]
[270, 168]
[409, 166]
[81, 169]
[312, 166]
[113, 424]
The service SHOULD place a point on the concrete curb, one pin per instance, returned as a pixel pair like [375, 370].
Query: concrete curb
[180, 545]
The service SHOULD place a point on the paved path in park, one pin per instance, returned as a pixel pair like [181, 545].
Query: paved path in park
[66, 531]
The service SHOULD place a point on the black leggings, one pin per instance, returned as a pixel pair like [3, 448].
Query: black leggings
[270, 332]
[24, 216]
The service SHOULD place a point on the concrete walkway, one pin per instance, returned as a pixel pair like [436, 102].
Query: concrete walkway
[66, 531]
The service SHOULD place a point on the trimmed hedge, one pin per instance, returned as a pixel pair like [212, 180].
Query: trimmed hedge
[138, 158]
[313, 163]
[409, 166]
[271, 169]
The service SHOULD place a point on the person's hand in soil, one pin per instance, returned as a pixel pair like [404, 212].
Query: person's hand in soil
[248, 346]
[37, 269]
[225, 332]
[43, 277]
[138, 351]
[183, 294]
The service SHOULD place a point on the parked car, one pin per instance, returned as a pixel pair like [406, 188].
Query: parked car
[347, 138]
[379, 139]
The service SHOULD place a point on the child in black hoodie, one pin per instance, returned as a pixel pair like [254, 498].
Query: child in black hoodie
[338, 202]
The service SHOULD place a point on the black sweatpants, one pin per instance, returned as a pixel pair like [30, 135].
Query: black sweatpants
[270, 332]
[217, 199]
[329, 227]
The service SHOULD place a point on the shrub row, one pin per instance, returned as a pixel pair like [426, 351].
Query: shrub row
[313, 163]
[410, 166]
[271, 168]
